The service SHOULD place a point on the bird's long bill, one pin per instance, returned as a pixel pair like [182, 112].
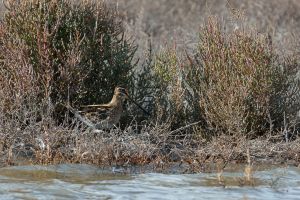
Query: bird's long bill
[138, 105]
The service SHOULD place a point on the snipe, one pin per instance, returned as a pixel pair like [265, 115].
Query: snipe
[104, 116]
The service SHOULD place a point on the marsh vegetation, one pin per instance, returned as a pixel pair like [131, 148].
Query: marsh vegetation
[230, 93]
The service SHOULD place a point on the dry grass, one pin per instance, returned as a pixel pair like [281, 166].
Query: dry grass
[153, 147]
[178, 21]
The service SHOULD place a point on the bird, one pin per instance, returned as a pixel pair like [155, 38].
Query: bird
[109, 114]
[103, 116]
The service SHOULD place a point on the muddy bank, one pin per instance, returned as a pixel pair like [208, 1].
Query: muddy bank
[152, 152]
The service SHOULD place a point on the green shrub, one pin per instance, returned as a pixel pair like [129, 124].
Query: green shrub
[176, 102]
[167, 70]
[57, 51]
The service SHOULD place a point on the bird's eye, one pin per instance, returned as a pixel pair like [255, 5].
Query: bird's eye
[122, 90]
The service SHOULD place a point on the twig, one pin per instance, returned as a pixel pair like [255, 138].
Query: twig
[145, 111]
[184, 127]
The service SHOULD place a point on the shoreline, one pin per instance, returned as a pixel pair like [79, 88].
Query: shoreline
[215, 155]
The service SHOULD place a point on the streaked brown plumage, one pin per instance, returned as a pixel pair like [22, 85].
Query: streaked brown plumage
[104, 116]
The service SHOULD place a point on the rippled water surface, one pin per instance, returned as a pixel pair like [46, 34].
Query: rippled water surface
[89, 182]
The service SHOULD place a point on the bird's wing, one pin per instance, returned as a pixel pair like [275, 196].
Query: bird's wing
[81, 118]
[96, 112]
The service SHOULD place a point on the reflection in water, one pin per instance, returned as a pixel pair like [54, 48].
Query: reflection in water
[84, 181]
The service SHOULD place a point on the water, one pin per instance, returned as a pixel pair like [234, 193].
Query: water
[89, 182]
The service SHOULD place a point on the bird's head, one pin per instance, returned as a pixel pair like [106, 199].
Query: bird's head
[121, 93]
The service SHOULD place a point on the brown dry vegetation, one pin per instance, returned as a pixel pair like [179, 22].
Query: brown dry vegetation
[179, 21]
[223, 91]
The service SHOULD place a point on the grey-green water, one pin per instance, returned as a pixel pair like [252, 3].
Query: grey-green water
[89, 182]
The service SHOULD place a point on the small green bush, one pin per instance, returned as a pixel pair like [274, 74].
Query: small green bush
[167, 70]
[58, 50]
[176, 102]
